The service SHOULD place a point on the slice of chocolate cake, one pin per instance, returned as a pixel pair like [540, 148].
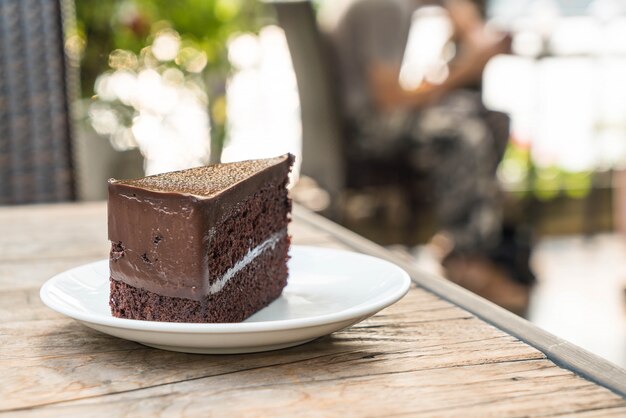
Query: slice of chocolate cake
[207, 244]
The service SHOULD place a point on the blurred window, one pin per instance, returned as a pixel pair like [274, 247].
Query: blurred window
[565, 89]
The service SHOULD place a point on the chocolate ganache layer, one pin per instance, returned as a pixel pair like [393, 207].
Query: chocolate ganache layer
[162, 227]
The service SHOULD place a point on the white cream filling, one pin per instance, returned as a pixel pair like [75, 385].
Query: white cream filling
[253, 253]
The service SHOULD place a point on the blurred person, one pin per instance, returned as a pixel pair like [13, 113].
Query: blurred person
[441, 129]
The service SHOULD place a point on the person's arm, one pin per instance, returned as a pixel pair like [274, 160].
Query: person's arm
[478, 47]
[476, 44]
[388, 94]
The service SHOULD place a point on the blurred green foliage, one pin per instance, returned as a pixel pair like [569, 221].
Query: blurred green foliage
[523, 178]
[203, 25]
[206, 25]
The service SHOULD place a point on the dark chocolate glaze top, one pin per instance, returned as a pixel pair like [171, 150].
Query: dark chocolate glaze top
[161, 226]
[205, 182]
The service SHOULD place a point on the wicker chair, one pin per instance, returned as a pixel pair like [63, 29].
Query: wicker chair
[35, 145]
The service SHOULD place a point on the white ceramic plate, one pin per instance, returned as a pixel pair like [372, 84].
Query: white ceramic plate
[328, 290]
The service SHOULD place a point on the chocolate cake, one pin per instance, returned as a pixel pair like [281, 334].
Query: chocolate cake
[208, 244]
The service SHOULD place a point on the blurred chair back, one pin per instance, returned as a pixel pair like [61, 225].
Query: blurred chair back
[35, 146]
[322, 131]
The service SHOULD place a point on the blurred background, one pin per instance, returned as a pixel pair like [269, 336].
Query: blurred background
[91, 90]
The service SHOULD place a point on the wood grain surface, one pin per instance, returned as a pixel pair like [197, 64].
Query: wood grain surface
[422, 356]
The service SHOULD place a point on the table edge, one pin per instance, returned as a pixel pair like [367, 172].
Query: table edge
[563, 353]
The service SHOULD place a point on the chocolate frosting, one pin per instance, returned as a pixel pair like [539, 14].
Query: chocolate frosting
[161, 226]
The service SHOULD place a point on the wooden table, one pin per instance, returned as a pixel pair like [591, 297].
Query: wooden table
[434, 353]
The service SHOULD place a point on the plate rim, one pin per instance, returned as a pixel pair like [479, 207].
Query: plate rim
[362, 309]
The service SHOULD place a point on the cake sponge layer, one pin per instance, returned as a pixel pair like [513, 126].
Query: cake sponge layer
[252, 288]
